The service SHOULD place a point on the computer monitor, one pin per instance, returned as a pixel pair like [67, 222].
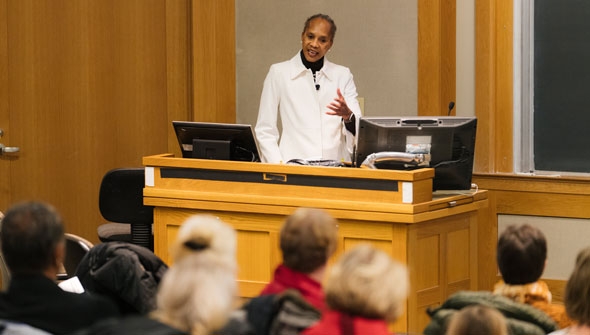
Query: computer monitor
[224, 141]
[445, 143]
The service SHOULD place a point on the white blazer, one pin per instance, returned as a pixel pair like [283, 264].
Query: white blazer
[289, 92]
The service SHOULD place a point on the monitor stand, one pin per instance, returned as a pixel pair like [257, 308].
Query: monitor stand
[212, 149]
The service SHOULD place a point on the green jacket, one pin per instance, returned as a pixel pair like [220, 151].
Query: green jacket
[522, 319]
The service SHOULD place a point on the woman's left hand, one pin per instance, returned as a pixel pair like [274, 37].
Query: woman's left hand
[339, 107]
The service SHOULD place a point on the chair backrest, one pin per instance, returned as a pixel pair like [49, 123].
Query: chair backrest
[121, 196]
[121, 200]
[76, 248]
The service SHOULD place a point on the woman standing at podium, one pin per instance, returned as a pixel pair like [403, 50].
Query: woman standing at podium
[315, 99]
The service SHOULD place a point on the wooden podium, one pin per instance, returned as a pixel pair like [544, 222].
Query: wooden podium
[435, 235]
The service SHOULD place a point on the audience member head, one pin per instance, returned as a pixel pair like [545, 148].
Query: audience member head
[198, 292]
[205, 234]
[366, 282]
[522, 253]
[477, 320]
[197, 296]
[577, 290]
[308, 239]
[32, 239]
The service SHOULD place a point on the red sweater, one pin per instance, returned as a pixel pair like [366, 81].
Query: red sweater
[336, 323]
[285, 278]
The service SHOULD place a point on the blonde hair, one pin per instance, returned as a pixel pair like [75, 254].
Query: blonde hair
[308, 239]
[367, 282]
[477, 320]
[577, 289]
[205, 235]
[198, 292]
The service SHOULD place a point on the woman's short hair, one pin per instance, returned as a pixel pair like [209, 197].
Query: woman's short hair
[367, 282]
[521, 255]
[577, 290]
[477, 320]
[308, 239]
[29, 235]
[323, 17]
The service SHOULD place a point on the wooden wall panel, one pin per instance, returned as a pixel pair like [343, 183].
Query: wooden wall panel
[449, 244]
[494, 85]
[436, 56]
[504, 112]
[89, 86]
[484, 84]
[214, 60]
[178, 62]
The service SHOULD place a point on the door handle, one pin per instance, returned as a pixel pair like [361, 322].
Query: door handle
[8, 151]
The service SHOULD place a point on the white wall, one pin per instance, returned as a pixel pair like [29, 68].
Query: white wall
[465, 58]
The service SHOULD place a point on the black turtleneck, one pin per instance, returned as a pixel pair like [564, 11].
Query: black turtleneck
[314, 66]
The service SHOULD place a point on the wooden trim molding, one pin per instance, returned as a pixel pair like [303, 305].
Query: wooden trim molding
[538, 196]
[494, 85]
[436, 56]
[549, 185]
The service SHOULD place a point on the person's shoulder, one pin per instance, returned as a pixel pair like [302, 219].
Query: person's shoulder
[283, 66]
[96, 304]
[336, 69]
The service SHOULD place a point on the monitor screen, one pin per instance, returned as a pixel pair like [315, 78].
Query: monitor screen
[445, 143]
[224, 141]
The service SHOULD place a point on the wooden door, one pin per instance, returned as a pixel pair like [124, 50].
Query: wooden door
[87, 86]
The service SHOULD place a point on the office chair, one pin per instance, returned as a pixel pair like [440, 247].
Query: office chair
[5, 274]
[120, 202]
[76, 248]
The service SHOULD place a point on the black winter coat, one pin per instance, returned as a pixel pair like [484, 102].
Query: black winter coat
[127, 273]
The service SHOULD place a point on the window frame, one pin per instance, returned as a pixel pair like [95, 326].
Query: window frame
[524, 91]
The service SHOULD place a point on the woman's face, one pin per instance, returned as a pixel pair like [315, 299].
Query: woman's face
[316, 40]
